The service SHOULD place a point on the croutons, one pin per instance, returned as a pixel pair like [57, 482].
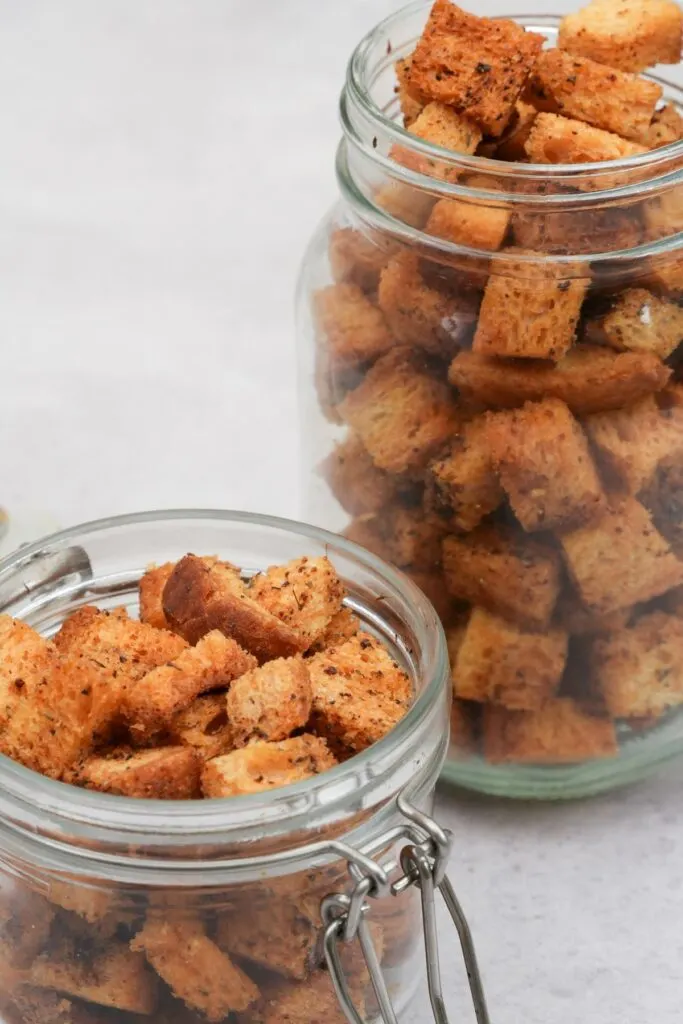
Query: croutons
[663, 498]
[477, 225]
[162, 773]
[621, 560]
[501, 664]
[352, 328]
[561, 140]
[194, 967]
[313, 1001]
[581, 88]
[628, 34]
[475, 65]
[639, 670]
[151, 589]
[462, 485]
[262, 766]
[443, 127]
[631, 442]
[545, 466]
[666, 127]
[576, 232]
[36, 1006]
[341, 627]
[410, 99]
[204, 726]
[663, 214]
[276, 935]
[510, 146]
[356, 482]
[589, 379]
[401, 414]
[528, 310]
[642, 322]
[270, 702]
[517, 578]
[560, 732]
[25, 921]
[305, 594]
[410, 538]
[357, 259]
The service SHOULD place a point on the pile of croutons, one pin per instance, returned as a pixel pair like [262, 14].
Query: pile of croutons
[225, 685]
[514, 425]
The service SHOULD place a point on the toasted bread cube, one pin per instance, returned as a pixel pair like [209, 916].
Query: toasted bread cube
[573, 232]
[262, 766]
[529, 310]
[25, 658]
[663, 498]
[641, 322]
[151, 595]
[411, 100]
[668, 278]
[369, 533]
[433, 586]
[204, 726]
[420, 315]
[357, 259]
[277, 936]
[462, 485]
[666, 127]
[115, 977]
[350, 326]
[663, 214]
[475, 65]
[445, 129]
[633, 441]
[476, 225]
[305, 594]
[621, 560]
[640, 669]
[412, 538]
[401, 414]
[628, 34]
[561, 140]
[93, 905]
[194, 967]
[558, 733]
[341, 628]
[313, 1001]
[517, 578]
[545, 466]
[162, 773]
[151, 703]
[501, 664]
[270, 702]
[364, 659]
[572, 615]
[203, 594]
[405, 203]
[589, 379]
[581, 88]
[354, 479]
[511, 144]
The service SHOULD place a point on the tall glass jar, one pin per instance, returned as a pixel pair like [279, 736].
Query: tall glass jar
[83, 873]
[489, 354]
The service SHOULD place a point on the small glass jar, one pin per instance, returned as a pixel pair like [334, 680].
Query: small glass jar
[81, 872]
[489, 355]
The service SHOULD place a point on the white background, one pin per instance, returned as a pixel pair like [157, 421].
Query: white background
[162, 165]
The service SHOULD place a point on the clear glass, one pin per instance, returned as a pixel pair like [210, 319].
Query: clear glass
[81, 873]
[557, 568]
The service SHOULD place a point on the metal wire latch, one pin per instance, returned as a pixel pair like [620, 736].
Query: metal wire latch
[422, 863]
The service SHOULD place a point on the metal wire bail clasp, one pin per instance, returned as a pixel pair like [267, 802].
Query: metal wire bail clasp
[422, 863]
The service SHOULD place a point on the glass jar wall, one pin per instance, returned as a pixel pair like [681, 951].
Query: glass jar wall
[491, 400]
[108, 904]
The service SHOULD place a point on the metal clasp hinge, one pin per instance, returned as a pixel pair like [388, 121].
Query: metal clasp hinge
[422, 863]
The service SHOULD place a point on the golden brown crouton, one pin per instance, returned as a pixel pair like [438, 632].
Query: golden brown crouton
[368, 532]
[194, 968]
[462, 485]
[627, 34]
[151, 703]
[667, 277]
[351, 327]
[640, 669]
[663, 214]
[574, 232]
[356, 482]
[262, 766]
[411, 100]
[405, 203]
[203, 594]
[420, 315]
[162, 773]
[91, 904]
[575, 618]
[501, 664]
[313, 1001]
[544, 463]
[433, 586]
[204, 726]
[341, 627]
[632, 441]
[357, 259]
[560, 140]
[475, 65]
[25, 657]
[276, 935]
[476, 225]
[114, 977]
[642, 322]
[559, 733]
[663, 498]
[511, 144]
[445, 129]
[151, 595]
[410, 538]
[518, 578]
[529, 310]
[666, 127]
[270, 702]
[589, 379]
[304, 594]
[579, 87]
[401, 414]
[621, 560]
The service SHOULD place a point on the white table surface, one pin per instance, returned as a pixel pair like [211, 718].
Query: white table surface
[163, 163]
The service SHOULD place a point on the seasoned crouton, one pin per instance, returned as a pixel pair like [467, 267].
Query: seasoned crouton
[559, 733]
[26, 658]
[411, 100]
[575, 618]
[162, 773]
[663, 214]
[663, 498]
[499, 663]
[420, 315]
[202, 595]
[580, 88]
[475, 65]
[270, 702]
[364, 658]
[401, 414]
[545, 466]
[369, 533]
[305, 594]
[433, 586]
[642, 322]
[115, 977]
[445, 129]
[621, 560]
[589, 379]
[277, 936]
[666, 127]
[356, 482]
[511, 144]
[628, 34]
[25, 920]
[640, 669]
[357, 259]
[350, 326]
[262, 766]
[411, 538]
[194, 968]
[561, 140]
[667, 277]
[632, 441]
[204, 726]
[574, 232]
[341, 627]
[476, 225]
[518, 578]
[150, 705]
[462, 485]
[313, 1001]
[151, 589]
[404, 203]
[93, 905]
[529, 310]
